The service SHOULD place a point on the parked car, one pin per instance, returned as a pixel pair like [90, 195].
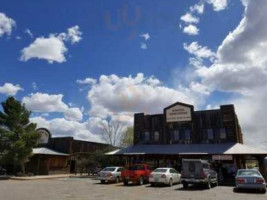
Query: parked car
[167, 176]
[249, 179]
[138, 173]
[110, 174]
[196, 171]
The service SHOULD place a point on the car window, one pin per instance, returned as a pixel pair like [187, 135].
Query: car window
[191, 167]
[109, 169]
[160, 170]
[248, 173]
[137, 167]
[206, 166]
[173, 171]
[119, 169]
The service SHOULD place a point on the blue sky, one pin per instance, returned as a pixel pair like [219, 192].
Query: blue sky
[109, 39]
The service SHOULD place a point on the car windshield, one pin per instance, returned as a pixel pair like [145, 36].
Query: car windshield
[160, 170]
[136, 167]
[248, 173]
[109, 169]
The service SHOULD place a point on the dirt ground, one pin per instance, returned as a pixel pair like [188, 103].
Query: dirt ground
[85, 188]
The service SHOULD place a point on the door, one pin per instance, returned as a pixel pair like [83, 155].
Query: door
[72, 166]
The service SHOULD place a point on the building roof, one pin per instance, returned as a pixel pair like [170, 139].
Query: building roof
[46, 151]
[189, 149]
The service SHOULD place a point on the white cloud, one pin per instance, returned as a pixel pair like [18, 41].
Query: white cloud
[74, 34]
[218, 5]
[199, 51]
[189, 18]
[64, 127]
[146, 36]
[86, 81]
[199, 88]
[28, 31]
[34, 86]
[241, 68]
[127, 95]
[52, 48]
[241, 64]
[43, 102]
[143, 46]
[73, 114]
[199, 8]
[6, 24]
[10, 89]
[191, 30]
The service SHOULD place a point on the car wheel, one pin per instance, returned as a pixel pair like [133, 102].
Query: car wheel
[263, 191]
[125, 182]
[185, 185]
[235, 189]
[170, 182]
[141, 180]
[209, 184]
[102, 181]
[117, 180]
[152, 184]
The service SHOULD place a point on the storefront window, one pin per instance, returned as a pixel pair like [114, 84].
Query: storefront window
[222, 133]
[156, 136]
[210, 134]
[145, 136]
[176, 135]
[187, 134]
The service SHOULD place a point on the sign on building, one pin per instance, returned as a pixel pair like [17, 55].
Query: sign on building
[178, 113]
[222, 157]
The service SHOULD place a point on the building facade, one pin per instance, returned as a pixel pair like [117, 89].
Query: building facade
[180, 132]
[57, 155]
[181, 124]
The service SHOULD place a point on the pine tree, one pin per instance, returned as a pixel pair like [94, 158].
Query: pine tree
[17, 135]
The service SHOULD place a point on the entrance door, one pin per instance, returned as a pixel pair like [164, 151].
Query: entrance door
[72, 166]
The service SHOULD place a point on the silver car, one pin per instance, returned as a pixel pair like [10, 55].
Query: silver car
[167, 176]
[110, 174]
[250, 179]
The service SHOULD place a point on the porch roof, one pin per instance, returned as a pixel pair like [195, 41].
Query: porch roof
[47, 151]
[189, 149]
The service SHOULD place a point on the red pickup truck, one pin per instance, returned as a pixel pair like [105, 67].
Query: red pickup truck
[138, 173]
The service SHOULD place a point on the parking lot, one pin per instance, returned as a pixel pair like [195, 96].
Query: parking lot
[85, 188]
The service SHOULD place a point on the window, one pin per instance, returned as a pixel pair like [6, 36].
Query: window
[175, 135]
[119, 169]
[187, 135]
[210, 134]
[222, 133]
[156, 136]
[145, 136]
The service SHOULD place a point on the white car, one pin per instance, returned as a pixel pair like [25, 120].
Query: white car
[110, 174]
[167, 176]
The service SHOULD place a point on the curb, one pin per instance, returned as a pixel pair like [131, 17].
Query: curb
[39, 177]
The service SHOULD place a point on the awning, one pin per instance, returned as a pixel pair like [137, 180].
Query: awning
[189, 149]
[46, 151]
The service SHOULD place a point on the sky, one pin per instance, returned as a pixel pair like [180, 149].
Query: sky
[77, 64]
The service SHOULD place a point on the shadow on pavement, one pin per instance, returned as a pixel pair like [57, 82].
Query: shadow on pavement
[193, 188]
[248, 191]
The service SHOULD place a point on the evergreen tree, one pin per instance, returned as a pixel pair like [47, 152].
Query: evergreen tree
[17, 135]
